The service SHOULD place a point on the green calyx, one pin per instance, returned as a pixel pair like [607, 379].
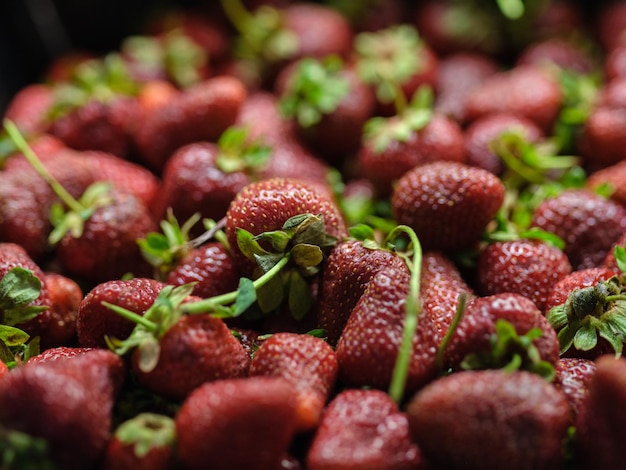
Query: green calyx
[21, 451]
[237, 152]
[589, 313]
[147, 431]
[315, 88]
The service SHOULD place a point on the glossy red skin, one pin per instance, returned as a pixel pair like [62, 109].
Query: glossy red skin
[615, 177]
[348, 270]
[576, 215]
[573, 376]
[200, 113]
[237, 423]
[198, 348]
[306, 362]
[609, 24]
[440, 140]
[363, 429]
[65, 401]
[28, 108]
[448, 204]
[120, 456]
[527, 267]
[615, 63]
[95, 321]
[478, 324]
[602, 137]
[58, 352]
[600, 422]
[65, 298]
[490, 419]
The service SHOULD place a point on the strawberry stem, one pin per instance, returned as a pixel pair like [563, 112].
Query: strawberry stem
[132, 316]
[237, 13]
[460, 310]
[412, 310]
[35, 162]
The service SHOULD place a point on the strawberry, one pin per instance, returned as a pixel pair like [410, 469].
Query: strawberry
[615, 63]
[611, 260]
[490, 419]
[525, 266]
[58, 352]
[351, 265]
[457, 75]
[508, 92]
[95, 322]
[56, 404]
[609, 24]
[448, 204]
[306, 362]
[66, 296]
[480, 134]
[143, 442]
[201, 112]
[573, 376]
[503, 330]
[28, 108]
[613, 177]
[600, 422]
[575, 215]
[557, 51]
[236, 423]
[363, 429]
[265, 205]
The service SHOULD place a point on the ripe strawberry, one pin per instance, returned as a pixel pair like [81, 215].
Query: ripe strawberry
[351, 265]
[265, 205]
[573, 376]
[368, 346]
[201, 112]
[600, 422]
[95, 321]
[363, 429]
[613, 176]
[448, 204]
[557, 51]
[145, 442]
[107, 248]
[58, 352]
[615, 63]
[457, 75]
[609, 24]
[490, 419]
[66, 296]
[480, 134]
[28, 108]
[575, 215]
[507, 92]
[482, 341]
[611, 259]
[524, 266]
[306, 362]
[62, 402]
[237, 423]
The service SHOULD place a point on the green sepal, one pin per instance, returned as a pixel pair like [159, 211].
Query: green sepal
[249, 245]
[147, 431]
[237, 152]
[18, 288]
[620, 257]
[246, 296]
[300, 298]
[307, 256]
[271, 295]
[12, 337]
[586, 337]
[23, 451]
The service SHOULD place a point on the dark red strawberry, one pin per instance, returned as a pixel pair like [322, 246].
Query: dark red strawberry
[308, 363]
[58, 352]
[602, 137]
[525, 266]
[610, 22]
[66, 296]
[556, 51]
[611, 259]
[44, 145]
[509, 92]
[28, 108]
[503, 330]
[95, 322]
[145, 442]
[457, 75]
[573, 376]
[448, 204]
[237, 423]
[600, 423]
[480, 135]
[490, 419]
[363, 429]
[587, 223]
[613, 177]
[350, 267]
[615, 63]
[61, 402]
[200, 113]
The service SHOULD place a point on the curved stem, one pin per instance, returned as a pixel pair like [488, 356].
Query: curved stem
[237, 13]
[41, 170]
[412, 310]
[132, 316]
[460, 310]
[205, 305]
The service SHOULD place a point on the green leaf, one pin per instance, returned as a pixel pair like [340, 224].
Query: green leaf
[246, 296]
[586, 338]
[300, 298]
[278, 239]
[271, 295]
[149, 351]
[19, 287]
[12, 336]
[620, 257]
[248, 244]
[307, 255]
[268, 261]
[615, 338]
[6, 355]
[361, 232]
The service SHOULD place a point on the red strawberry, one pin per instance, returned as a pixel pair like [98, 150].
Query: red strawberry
[557, 51]
[509, 92]
[199, 113]
[609, 24]
[363, 429]
[145, 442]
[483, 131]
[237, 423]
[588, 223]
[265, 205]
[600, 423]
[490, 419]
[28, 108]
[525, 266]
[448, 204]
[62, 402]
[611, 260]
[306, 362]
[613, 176]
[457, 75]
[481, 340]
[58, 352]
[65, 299]
[95, 321]
[573, 376]
[350, 267]
[615, 63]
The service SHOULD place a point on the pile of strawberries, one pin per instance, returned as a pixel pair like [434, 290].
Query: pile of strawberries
[324, 235]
